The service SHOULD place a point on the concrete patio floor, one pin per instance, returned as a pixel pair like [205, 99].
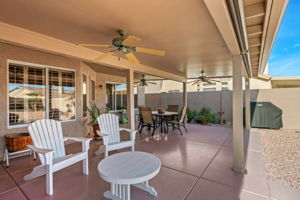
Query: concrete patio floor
[195, 166]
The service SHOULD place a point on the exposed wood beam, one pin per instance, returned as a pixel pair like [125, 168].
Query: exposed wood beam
[254, 42]
[255, 30]
[254, 49]
[255, 10]
[254, 56]
[274, 12]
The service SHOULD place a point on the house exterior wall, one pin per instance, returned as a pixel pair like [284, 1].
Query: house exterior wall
[75, 127]
[102, 79]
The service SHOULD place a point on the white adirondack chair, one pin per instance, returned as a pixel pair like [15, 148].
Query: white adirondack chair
[110, 133]
[48, 142]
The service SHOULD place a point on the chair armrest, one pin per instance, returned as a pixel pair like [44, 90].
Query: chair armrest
[47, 153]
[39, 150]
[79, 139]
[131, 131]
[85, 142]
[104, 137]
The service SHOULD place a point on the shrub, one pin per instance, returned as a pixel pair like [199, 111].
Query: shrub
[191, 114]
[206, 114]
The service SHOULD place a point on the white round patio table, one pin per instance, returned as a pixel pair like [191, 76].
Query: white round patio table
[128, 168]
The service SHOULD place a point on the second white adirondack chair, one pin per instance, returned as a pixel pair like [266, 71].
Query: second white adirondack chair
[110, 133]
[48, 142]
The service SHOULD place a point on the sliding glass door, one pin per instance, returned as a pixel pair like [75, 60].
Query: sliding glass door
[116, 96]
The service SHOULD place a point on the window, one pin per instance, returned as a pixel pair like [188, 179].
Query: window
[28, 90]
[209, 84]
[225, 88]
[93, 90]
[209, 89]
[116, 98]
[173, 91]
[84, 94]
[61, 95]
[26, 94]
[224, 83]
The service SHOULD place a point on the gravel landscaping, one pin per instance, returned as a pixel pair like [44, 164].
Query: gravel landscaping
[282, 156]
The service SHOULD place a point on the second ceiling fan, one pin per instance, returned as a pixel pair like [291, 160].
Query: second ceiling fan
[125, 44]
[144, 82]
[206, 79]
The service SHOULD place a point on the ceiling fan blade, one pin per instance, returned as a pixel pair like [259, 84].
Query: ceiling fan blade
[151, 82]
[219, 76]
[214, 80]
[95, 45]
[150, 51]
[104, 56]
[132, 58]
[130, 40]
[208, 81]
[193, 81]
[196, 82]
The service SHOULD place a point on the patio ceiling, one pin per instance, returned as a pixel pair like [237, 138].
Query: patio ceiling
[184, 29]
[195, 34]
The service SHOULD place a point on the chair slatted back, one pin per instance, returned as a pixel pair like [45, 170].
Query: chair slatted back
[147, 115]
[109, 124]
[140, 111]
[183, 114]
[173, 108]
[47, 134]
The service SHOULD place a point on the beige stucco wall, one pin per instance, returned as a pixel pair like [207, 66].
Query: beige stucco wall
[70, 128]
[286, 99]
[257, 84]
[196, 101]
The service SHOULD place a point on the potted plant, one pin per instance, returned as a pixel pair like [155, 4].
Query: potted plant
[205, 116]
[94, 113]
[191, 115]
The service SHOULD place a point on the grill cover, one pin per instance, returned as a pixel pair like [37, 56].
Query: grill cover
[265, 115]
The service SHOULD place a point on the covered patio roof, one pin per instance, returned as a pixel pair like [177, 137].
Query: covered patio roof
[195, 34]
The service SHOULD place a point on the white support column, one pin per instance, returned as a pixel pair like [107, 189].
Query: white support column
[237, 115]
[141, 96]
[184, 94]
[247, 105]
[130, 98]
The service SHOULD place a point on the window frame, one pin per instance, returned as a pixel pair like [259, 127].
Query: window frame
[87, 94]
[114, 83]
[46, 67]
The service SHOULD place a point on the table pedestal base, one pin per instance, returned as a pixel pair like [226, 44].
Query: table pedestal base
[122, 192]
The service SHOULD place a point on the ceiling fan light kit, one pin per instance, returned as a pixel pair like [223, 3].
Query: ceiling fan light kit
[125, 45]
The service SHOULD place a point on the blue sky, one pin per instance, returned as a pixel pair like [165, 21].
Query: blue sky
[285, 56]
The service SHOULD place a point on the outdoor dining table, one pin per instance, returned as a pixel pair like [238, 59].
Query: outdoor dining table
[124, 169]
[163, 119]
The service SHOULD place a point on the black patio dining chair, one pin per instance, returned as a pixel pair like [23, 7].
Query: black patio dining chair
[180, 121]
[173, 108]
[140, 118]
[148, 120]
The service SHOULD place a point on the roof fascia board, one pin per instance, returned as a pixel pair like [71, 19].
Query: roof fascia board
[275, 10]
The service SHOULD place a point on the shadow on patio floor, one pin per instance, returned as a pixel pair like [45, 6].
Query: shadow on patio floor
[195, 166]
